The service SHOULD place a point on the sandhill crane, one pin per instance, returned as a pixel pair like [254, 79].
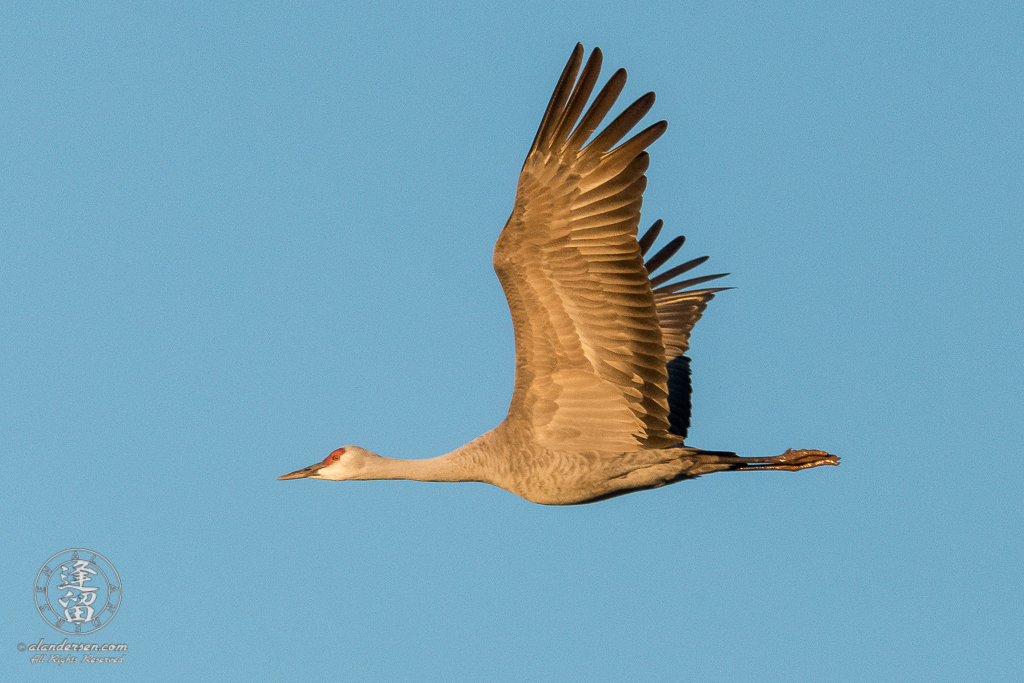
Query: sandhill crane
[601, 402]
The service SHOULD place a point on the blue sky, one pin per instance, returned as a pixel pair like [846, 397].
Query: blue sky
[239, 235]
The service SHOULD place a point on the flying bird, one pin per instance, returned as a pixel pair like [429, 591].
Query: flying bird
[601, 403]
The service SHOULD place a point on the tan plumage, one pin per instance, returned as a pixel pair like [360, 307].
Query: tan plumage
[601, 399]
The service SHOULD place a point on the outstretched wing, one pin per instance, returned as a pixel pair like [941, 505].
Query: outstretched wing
[678, 312]
[590, 361]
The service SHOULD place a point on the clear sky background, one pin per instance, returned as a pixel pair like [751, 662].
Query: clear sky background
[236, 236]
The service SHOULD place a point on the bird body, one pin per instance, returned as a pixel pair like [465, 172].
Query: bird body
[601, 401]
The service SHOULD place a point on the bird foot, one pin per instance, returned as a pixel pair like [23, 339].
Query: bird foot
[793, 461]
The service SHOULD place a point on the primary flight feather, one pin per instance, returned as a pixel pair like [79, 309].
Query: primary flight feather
[601, 403]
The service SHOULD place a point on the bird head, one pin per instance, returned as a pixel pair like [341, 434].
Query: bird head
[344, 463]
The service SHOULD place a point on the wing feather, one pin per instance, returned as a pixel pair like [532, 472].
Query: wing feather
[590, 361]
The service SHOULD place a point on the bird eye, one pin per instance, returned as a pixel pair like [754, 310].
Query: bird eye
[335, 456]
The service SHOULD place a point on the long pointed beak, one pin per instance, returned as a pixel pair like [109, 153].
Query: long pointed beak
[303, 473]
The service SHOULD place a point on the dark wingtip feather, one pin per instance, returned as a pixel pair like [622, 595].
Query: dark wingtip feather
[581, 91]
[676, 286]
[678, 270]
[666, 252]
[598, 109]
[652, 234]
[558, 98]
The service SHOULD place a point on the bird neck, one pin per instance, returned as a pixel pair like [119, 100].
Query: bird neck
[442, 468]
